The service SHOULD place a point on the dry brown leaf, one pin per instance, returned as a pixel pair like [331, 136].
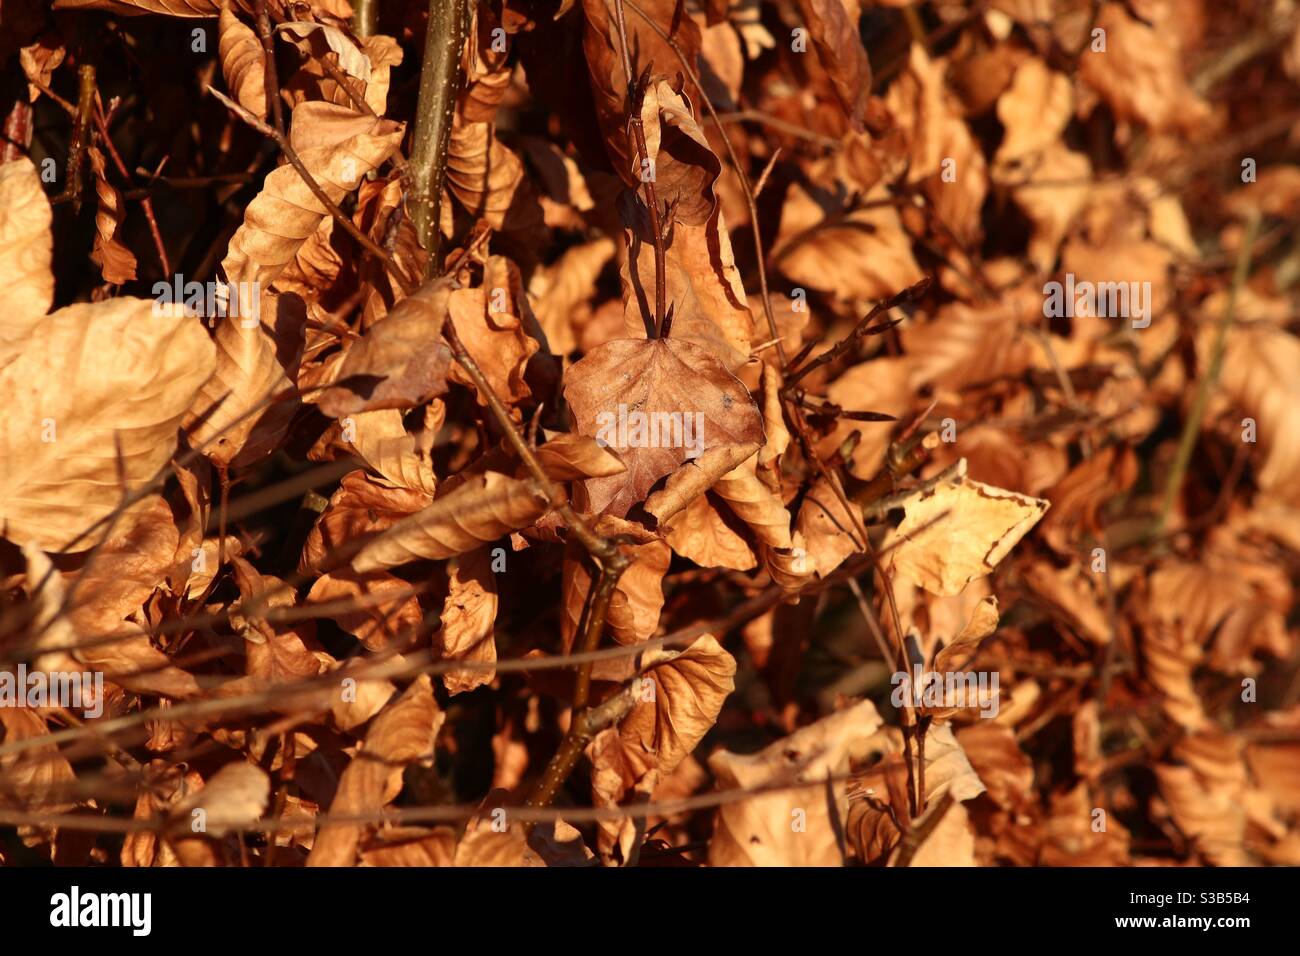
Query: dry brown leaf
[978, 528]
[880, 803]
[338, 146]
[361, 508]
[480, 510]
[997, 457]
[826, 528]
[1052, 188]
[400, 362]
[68, 457]
[1140, 73]
[1205, 799]
[115, 260]
[638, 596]
[834, 35]
[703, 286]
[998, 761]
[39, 60]
[694, 478]
[557, 290]
[676, 704]
[609, 82]
[468, 616]
[682, 166]
[411, 846]
[382, 441]
[794, 826]
[318, 38]
[570, 457]
[402, 734]
[881, 385]
[488, 179]
[624, 392]
[1034, 111]
[1258, 376]
[384, 53]
[701, 533]
[763, 512]
[274, 653]
[952, 842]
[242, 412]
[495, 338]
[756, 505]
[379, 609]
[486, 842]
[25, 255]
[943, 153]
[53, 632]
[106, 597]
[1077, 498]
[965, 344]
[235, 795]
[242, 62]
[486, 62]
[723, 64]
[1075, 593]
[38, 777]
[963, 648]
[864, 255]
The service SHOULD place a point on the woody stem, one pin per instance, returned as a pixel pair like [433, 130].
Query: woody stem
[636, 96]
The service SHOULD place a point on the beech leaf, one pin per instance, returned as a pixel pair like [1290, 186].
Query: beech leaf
[658, 403]
[127, 377]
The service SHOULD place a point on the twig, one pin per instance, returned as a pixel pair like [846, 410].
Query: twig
[584, 725]
[861, 330]
[611, 561]
[383, 667]
[778, 124]
[345, 82]
[291, 154]
[80, 135]
[146, 203]
[63, 104]
[822, 407]
[420, 814]
[916, 27]
[439, 83]
[760, 256]
[274, 109]
[886, 652]
[1242, 51]
[1192, 426]
[767, 171]
[917, 835]
[184, 182]
[365, 17]
[635, 97]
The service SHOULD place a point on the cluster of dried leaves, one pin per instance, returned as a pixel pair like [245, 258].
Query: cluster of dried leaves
[365, 588]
